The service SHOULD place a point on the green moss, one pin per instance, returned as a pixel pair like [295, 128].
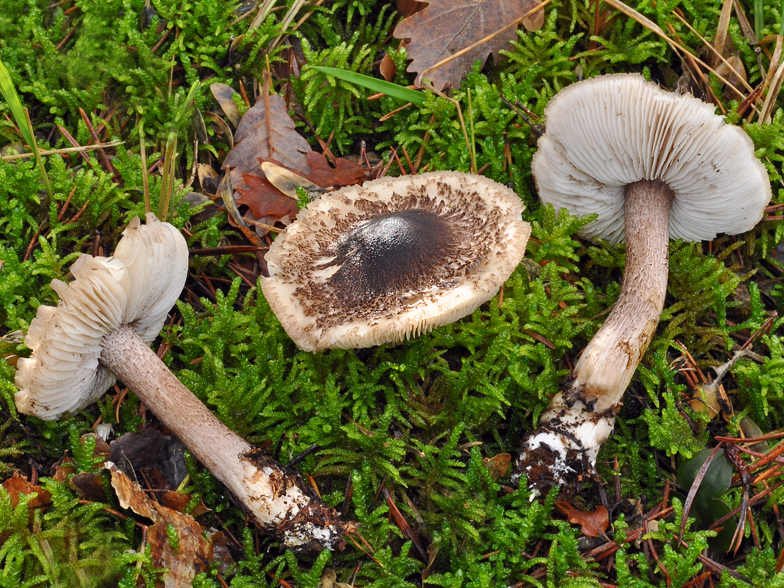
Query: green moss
[417, 418]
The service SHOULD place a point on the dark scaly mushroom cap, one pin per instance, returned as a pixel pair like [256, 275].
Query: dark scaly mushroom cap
[393, 259]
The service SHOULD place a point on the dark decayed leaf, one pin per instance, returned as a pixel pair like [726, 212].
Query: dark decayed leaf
[707, 505]
[448, 26]
[89, 486]
[716, 480]
[149, 450]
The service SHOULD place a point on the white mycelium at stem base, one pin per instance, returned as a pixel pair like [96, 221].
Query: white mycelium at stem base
[649, 163]
[102, 328]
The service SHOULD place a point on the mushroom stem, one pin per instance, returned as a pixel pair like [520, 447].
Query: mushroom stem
[608, 363]
[581, 416]
[272, 495]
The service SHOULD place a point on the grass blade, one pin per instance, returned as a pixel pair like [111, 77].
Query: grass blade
[22, 119]
[167, 177]
[388, 88]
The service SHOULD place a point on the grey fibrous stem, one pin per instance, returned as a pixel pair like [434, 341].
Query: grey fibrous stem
[263, 488]
[581, 416]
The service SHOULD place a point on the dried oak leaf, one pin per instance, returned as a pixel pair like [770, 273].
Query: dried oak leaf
[269, 204]
[183, 561]
[265, 200]
[498, 465]
[593, 523]
[448, 26]
[18, 484]
[266, 131]
[345, 172]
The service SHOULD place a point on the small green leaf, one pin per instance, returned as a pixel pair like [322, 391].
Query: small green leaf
[9, 93]
[374, 84]
[717, 479]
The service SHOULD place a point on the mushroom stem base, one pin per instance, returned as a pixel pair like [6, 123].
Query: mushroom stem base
[581, 416]
[276, 497]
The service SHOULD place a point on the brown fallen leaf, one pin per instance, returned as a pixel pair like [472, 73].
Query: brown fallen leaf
[193, 553]
[267, 132]
[225, 97]
[734, 72]
[18, 484]
[408, 7]
[179, 502]
[270, 205]
[88, 485]
[387, 68]
[593, 523]
[498, 465]
[265, 200]
[448, 26]
[345, 172]
[62, 469]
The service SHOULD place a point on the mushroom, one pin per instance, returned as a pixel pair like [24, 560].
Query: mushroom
[102, 328]
[394, 258]
[651, 164]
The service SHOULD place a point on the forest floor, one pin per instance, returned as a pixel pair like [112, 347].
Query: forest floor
[135, 106]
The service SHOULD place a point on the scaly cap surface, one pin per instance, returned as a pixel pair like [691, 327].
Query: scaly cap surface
[339, 275]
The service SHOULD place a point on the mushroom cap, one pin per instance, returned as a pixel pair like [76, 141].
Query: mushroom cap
[609, 131]
[394, 258]
[137, 286]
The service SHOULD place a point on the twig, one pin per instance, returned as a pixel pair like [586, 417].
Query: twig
[80, 149]
[65, 205]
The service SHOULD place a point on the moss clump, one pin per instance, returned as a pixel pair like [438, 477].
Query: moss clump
[417, 419]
